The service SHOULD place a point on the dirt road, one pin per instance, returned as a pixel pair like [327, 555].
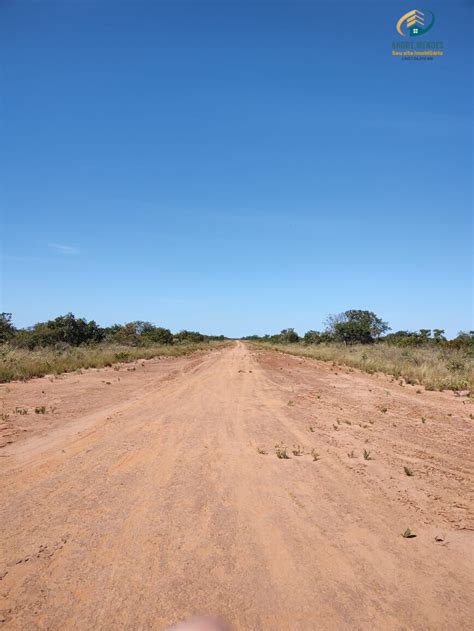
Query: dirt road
[139, 497]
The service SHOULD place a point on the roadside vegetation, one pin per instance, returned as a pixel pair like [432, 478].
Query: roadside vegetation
[67, 343]
[360, 339]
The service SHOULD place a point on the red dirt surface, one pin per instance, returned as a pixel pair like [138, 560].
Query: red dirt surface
[139, 498]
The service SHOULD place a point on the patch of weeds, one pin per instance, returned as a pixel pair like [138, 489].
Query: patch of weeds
[455, 365]
[290, 403]
[310, 428]
[40, 409]
[408, 534]
[408, 471]
[383, 408]
[122, 356]
[336, 427]
[281, 451]
[261, 450]
[423, 420]
[351, 454]
[297, 450]
[347, 422]
[4, 417]
[22, 411]
[366, 455]
[418, 391]
[315, 455]
[338, 421]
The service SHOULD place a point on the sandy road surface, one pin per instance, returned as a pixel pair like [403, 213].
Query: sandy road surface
[139, 497]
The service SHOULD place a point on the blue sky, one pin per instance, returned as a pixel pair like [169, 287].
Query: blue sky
[234, 167]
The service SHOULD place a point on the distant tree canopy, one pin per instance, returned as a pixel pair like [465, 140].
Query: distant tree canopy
[189, 336]
[356, 326]
[71, 331]
[65, 329]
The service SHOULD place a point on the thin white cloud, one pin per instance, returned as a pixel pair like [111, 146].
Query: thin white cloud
[63, 249]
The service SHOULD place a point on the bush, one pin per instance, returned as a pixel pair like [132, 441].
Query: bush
[65, 329]
[189, 336]
[312, 337]
[138, 333]
[289, 336]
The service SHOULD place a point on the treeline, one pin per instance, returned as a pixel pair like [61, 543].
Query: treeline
[356, 326]
[67, 330]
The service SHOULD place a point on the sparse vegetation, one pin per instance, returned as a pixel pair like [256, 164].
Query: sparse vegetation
[315, 455]
[408, 471]
[366, 455]
[40, 409]
[261, 451]
[311, 428]
[281, 451]
[297, 450]
[351, 454]
[408, 534]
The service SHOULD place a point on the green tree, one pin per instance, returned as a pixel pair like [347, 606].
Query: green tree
[425, 335]
[357, 326]
[438, 335]
[189, 336]
[312, 337]
[288, 336]
[7, 330]
[158, 335]
[66, 329]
